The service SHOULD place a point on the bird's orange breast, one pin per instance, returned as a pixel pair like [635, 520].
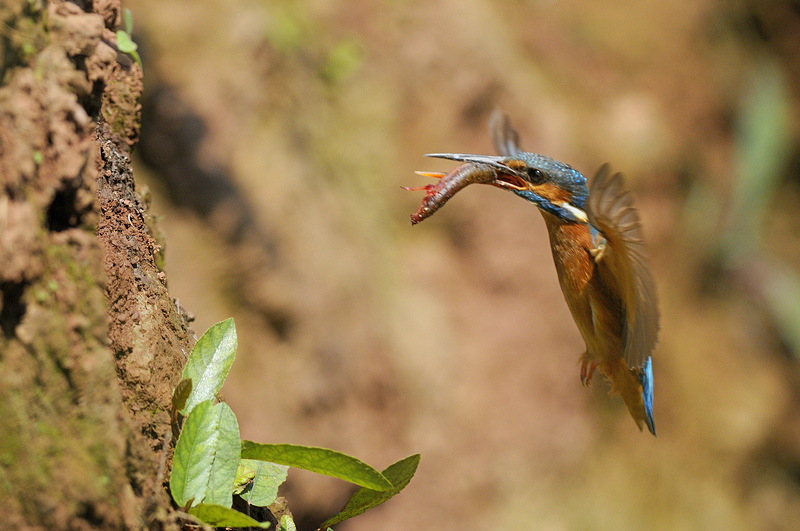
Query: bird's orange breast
[570, 243]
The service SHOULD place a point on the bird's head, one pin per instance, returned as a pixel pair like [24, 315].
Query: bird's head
[554, 187]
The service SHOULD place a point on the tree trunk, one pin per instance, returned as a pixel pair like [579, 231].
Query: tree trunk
[91, 344]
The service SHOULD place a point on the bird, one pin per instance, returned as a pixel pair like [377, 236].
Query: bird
[598, 250]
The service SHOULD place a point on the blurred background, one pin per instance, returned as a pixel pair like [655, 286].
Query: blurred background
[276, 135]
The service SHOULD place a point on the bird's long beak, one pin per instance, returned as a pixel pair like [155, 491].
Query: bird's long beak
[505, 176]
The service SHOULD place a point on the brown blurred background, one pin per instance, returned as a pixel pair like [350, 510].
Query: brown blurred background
[276, 135]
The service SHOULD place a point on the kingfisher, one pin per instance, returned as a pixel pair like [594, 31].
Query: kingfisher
[598, 250]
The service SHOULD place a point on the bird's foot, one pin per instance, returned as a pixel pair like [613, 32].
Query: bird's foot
[587, 371]
[599, 251]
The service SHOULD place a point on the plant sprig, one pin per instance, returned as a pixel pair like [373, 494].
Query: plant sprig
[211, 462]
[125, 43]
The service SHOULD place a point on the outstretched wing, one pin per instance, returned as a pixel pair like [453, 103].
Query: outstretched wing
[505, 137]
[610, 211]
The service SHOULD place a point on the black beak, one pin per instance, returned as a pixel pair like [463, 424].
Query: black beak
[496, 162]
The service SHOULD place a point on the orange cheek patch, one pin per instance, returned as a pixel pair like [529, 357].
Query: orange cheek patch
[552, 193]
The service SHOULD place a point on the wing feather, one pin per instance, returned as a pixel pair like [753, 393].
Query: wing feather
[610, 211]
[504, 137]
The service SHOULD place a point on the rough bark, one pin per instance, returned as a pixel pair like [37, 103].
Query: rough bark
[91, 344]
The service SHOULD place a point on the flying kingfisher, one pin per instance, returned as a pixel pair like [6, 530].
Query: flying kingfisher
[599, 254]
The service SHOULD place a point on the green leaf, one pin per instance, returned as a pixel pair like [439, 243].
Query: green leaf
[127, 18]
[181, 394]
[319, 460]
[764, 143]
[124, 42]
[244, 476]
[194, 455]
[782, 297]
[288, 30]
[399, 474]
[220, 516]
[226, 458]
[209, 362]
[287, 523]
[206, 456]
[265, 478]
[126, 45]
[344, 60]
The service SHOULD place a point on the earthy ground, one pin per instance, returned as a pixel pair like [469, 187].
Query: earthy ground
[451, 338]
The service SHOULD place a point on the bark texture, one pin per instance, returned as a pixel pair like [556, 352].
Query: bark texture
[90, 341]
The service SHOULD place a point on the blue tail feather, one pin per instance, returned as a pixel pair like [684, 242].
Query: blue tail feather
[646, 379]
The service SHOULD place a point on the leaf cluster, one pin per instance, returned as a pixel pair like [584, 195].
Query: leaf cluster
[212, 464]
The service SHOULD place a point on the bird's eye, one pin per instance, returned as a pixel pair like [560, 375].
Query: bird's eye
[535, 175]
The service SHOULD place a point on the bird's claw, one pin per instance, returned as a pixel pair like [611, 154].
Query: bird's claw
[599, 251]
[587, 371]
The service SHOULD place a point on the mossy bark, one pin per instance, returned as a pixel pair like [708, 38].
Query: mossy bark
[90, 342]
